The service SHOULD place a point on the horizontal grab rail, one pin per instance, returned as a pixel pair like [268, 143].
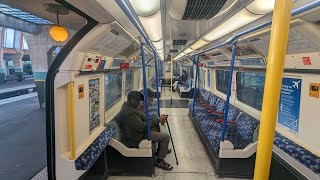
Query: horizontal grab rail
[263, 25]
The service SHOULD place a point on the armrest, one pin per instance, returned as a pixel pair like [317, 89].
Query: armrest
[204, 100]
[215, 112]
[211, 107]
[145, 144]
[228, 122]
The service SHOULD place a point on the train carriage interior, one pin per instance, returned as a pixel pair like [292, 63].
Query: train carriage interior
[236, 80]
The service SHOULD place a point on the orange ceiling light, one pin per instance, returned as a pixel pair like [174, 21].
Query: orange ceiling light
[59, 33]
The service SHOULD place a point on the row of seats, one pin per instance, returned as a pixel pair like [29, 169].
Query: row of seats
[208, 113]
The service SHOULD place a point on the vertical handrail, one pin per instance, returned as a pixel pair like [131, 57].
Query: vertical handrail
[145, 89]
[171, 64]
[157, 80]
[272, 87]
[226, 109]
[72, 135]
[190, 96]
[195, 84]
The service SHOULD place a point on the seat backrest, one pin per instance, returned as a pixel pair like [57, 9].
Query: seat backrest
[232, 113]
[117, 133]
[220, 105]
[246, 126]
[212, 100]
[206, 95]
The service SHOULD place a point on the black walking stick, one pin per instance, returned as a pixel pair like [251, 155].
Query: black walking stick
[174, 150]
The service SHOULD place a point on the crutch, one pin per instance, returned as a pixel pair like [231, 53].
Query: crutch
[174, 150]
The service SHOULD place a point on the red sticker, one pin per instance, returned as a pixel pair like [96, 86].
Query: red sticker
[124, 66]
[306, 60]
[88, 66]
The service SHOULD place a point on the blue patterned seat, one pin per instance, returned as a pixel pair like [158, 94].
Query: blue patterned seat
[91, 154]
[204, 94]
[302, 155]
[200, 111]
[220, 105]
[153, 114]
[243, 133]
[232, 113]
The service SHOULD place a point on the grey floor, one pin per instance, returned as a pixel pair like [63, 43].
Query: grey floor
[22, 139]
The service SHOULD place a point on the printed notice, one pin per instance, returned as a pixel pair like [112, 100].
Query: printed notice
[314, 90]
[80, 91]
[94, 104]
[289, 105]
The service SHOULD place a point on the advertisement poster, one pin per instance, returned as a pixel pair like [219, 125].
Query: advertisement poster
[94, 104]
[289, 105]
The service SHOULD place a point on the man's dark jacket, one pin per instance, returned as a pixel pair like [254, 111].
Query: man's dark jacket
[133, 125]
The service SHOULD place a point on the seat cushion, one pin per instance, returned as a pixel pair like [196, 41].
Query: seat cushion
[91, 154]
[302, 155]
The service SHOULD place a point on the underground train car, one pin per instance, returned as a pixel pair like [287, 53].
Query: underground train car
[234, 83]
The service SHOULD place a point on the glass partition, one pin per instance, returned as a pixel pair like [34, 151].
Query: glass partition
[129, 81]
[113, 88]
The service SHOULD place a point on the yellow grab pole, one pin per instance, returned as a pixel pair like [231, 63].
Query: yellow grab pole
[71, 121]
[275, 65]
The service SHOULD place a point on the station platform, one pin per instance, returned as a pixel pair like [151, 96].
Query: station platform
[15, 88]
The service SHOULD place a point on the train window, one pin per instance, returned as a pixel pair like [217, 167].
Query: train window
[250, 88]
[113, 89]
[222, 81]
[129, 80]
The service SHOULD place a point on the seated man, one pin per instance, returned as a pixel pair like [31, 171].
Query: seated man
[175, 84]
[133, 125]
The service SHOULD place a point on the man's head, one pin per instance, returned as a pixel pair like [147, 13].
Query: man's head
[134, 98]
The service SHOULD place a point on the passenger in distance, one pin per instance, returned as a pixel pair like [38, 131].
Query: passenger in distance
[133, 125]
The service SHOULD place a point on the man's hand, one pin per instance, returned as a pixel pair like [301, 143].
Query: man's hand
[163, 118]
